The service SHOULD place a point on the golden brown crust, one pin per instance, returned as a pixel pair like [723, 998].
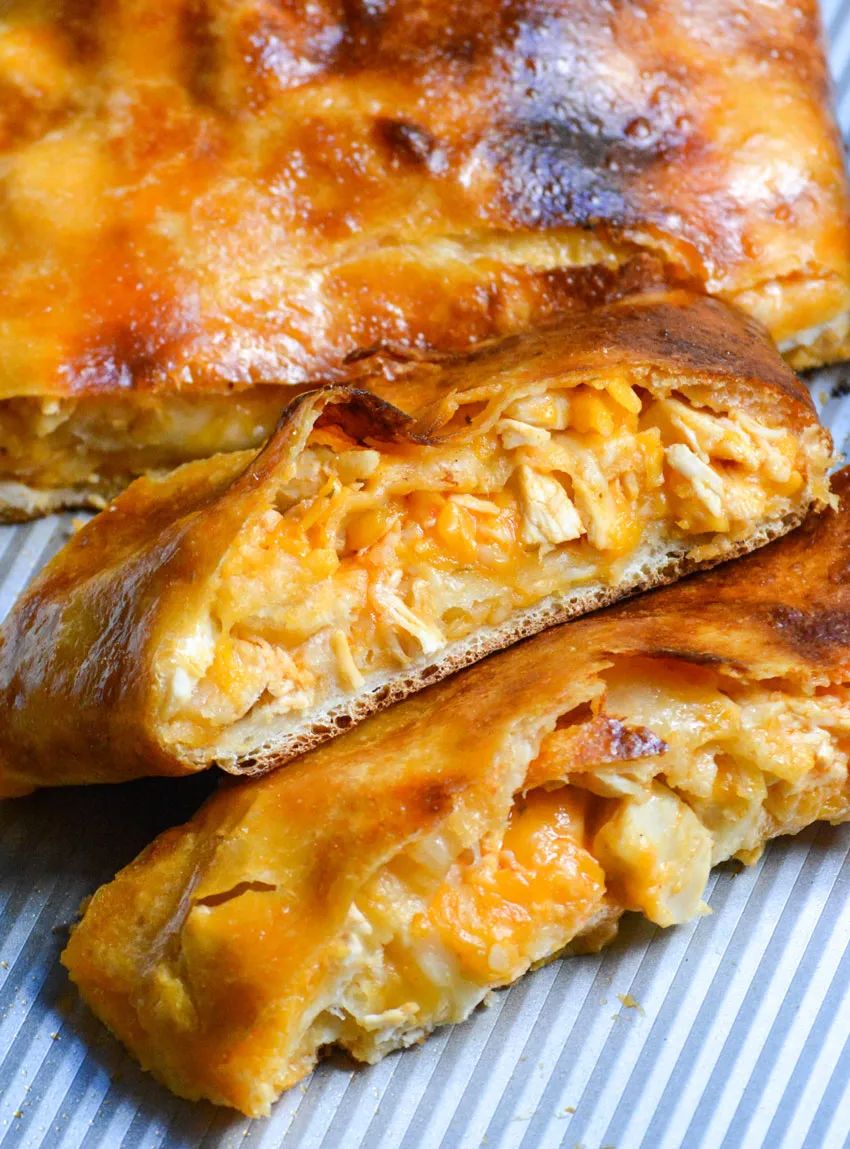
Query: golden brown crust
[668, 330]
[223, 195]
[311, 835]
[82, 639]
[785, 609]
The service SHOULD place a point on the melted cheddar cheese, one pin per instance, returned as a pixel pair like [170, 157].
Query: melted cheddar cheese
[538, 884]
[386, 882]
[374, 558]
[625, 812]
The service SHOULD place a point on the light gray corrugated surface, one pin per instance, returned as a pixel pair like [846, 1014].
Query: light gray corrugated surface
[744, 1038]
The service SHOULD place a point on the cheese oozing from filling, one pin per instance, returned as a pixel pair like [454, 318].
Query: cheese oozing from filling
[665, 771]
[374, 559]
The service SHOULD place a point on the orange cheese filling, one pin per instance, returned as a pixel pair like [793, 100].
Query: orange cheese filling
[616, 812]
[490, 911]
[375, 557]
[664, 769]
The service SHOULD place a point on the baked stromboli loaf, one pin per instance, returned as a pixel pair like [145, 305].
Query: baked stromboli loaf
[246, 608]
[205, 204]
[382, 884]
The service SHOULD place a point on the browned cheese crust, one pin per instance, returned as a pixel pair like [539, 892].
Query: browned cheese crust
[200, 198]
[78, 700]
[205, 954]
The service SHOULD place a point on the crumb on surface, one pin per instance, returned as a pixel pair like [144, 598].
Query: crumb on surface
[630, 1002]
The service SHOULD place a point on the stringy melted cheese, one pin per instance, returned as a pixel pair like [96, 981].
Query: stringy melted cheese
[373, 560]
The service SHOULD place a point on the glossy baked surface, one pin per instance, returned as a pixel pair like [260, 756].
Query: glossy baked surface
[203, 196]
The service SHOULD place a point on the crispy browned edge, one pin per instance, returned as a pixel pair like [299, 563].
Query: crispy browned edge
[36, 502]
[83, 637]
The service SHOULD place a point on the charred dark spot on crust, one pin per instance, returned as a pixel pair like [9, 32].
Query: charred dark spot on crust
[411, 145]
[581, 170]
[617, 742]
[591, 115]
[432, 798]
[815, 634]
[236, 891]
[80, 20]
[201, 51]
[553, 175]
[366, 417]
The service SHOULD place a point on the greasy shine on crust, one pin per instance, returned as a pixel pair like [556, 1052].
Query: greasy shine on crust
[79, 696]
[198, 197]
[206, 955]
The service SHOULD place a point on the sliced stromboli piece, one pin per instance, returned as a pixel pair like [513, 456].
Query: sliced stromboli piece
[385, 882]
[245, 609]
[205, 205]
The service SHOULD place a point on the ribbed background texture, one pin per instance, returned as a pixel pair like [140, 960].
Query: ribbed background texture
[741, 1038]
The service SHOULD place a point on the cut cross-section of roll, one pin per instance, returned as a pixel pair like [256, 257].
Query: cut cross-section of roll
[246, 608]
[384, 883]
[205, 206]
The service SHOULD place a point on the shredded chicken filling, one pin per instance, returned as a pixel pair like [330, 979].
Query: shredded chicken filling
[666, 771]
[81, 443]
[374, 558]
